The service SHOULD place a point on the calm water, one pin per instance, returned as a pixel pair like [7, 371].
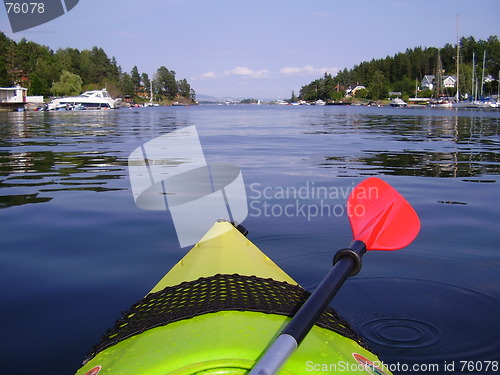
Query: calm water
[75, 251]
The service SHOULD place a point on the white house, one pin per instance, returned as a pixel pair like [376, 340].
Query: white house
[428, 82]
[13, 94]
[449, 81]
[352, 91]
[489, 79]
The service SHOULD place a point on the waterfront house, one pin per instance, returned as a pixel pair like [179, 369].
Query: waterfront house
[352, 91]
[12, 98]
[449, 81]
[13, 94]
[428, 82]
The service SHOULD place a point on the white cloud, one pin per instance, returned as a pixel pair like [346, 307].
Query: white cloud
[244, 71]
[209, 75]
[307, 70]
[240, 71]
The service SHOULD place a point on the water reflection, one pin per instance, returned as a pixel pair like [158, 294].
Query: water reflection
[416, 146]
[423, 163]
[18, 200]
[42, 153]
[46, 171]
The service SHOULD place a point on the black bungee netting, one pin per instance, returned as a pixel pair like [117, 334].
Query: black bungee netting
[213, 294]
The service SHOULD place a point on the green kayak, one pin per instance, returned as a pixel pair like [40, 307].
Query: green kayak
[216, 312]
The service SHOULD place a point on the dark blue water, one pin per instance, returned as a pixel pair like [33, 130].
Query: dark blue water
[75, 251]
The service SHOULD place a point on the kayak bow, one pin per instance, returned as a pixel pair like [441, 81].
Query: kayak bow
[216, 311]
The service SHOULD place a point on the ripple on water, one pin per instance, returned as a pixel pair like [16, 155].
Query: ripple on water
[444, 322]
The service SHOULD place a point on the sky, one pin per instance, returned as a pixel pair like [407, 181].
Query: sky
[259, 48]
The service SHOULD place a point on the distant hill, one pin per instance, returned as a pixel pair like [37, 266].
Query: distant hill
[206, 98]
[223, 99]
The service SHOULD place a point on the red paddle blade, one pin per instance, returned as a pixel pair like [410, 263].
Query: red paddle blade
[380, 216]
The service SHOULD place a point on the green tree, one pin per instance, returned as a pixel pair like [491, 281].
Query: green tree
[337, 95]
[145, 81]
[136, 78]
[309, 92]
[166, 83]
[67, 59]
[377, 87]
[405, 85]
[184, 88]
[38, 85]
[127, 85]
[361, 93]
[45, 73]
[5, 80]
[100, 65]
[327, 87]
[69, 84]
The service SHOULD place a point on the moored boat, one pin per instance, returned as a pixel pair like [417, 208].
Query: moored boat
[94, 99]
[440, 103]
[398, 102]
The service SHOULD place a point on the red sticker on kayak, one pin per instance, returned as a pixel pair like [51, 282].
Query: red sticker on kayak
[93, 371]
[369, 366]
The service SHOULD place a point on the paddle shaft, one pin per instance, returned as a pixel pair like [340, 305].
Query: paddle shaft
[308, 314]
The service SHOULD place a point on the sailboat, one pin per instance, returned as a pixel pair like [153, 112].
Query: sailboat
[478, 100]
[498, 93]
[150, 103]
[439, 101]
[484, 102]
[464, 103]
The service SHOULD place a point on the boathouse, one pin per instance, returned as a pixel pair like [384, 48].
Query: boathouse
[12, 98]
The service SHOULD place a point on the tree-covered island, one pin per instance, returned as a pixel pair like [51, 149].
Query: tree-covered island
[403, 73]
[69, 71]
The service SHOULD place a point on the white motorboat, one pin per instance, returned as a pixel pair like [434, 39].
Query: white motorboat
[94, 99]
[398, 102]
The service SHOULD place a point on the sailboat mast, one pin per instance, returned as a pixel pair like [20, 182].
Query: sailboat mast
[482, 74]
[473, 75]
[439, 77]
[458, 58]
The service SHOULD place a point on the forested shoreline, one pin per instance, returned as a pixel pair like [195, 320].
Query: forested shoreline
[70, 71]
[405, 70]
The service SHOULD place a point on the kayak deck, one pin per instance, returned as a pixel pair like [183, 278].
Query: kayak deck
[223, 250]
[216, 311]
